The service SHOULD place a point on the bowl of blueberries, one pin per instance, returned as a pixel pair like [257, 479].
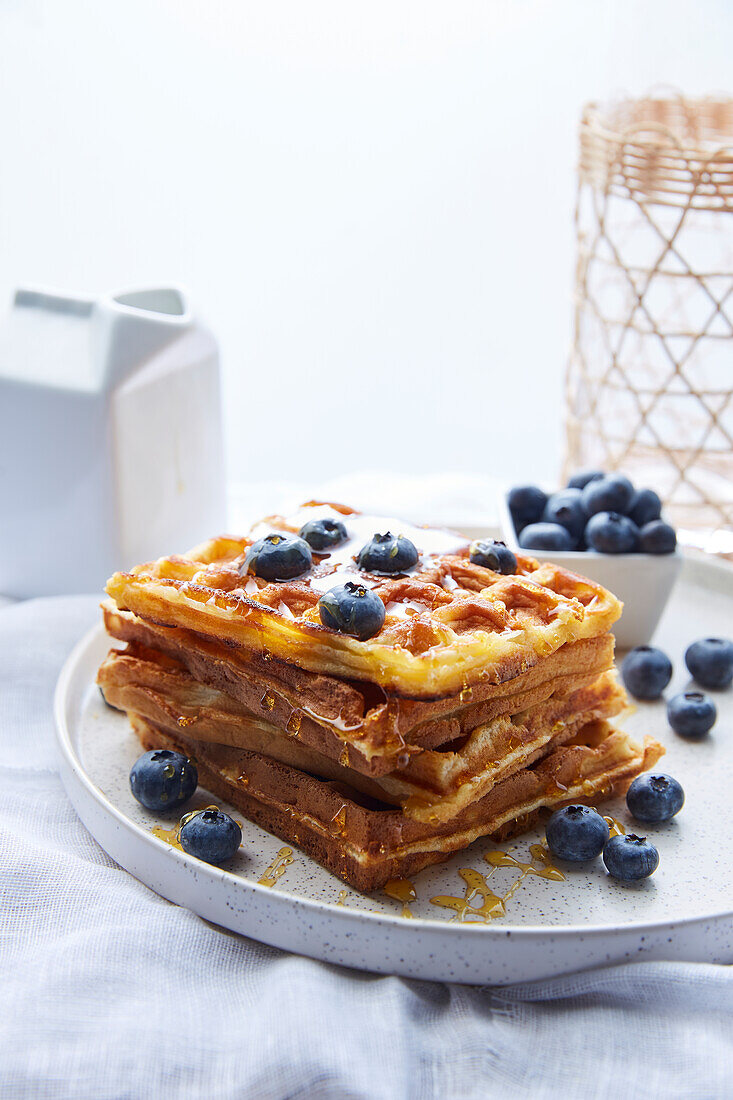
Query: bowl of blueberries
[600, 526]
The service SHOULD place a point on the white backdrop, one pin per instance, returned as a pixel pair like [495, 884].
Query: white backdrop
[372, 204]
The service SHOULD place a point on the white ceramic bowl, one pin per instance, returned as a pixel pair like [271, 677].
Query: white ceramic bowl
[643, 582]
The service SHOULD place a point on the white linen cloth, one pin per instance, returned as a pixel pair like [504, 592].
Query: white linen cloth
[110, 991]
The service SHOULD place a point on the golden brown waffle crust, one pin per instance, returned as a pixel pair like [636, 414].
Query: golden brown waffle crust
[434, 785]
[472, 625]
[366, 846]
[379, 732]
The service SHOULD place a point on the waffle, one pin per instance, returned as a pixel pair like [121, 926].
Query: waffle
[377, 732]
[483, 700]
[367, 842]
[450, 624]
[434, 785]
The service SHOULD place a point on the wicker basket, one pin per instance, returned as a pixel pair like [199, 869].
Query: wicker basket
[650, 378]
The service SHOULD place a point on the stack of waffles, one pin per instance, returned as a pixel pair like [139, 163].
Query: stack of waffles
[484, 700]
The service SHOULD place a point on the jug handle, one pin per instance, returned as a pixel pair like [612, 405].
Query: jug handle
[27, 297]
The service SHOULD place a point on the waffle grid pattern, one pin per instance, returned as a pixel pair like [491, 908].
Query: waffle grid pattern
[470, 621]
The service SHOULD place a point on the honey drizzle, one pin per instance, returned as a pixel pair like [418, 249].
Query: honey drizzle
[476, 886]
[539, 855]
[337, 824]
[170, 836]
[615, 827]
[293, 723]
[493, 905]
[268, 700]
[277, 868]
[555, 788]
[343, 894]
[401, 889]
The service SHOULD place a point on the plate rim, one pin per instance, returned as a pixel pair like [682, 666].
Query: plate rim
[73, 667]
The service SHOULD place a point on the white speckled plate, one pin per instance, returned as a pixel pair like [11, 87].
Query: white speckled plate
[685, 911]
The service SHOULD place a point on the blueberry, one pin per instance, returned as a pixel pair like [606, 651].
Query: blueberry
[691, 714]
[584, 477]
[387, 554]
[645, 506]
[277, 558]
[710, 662]
[646, 672]
[210, 835]
[612, 533]
[526, 504]
[576, 833]
[163, 780]
[493, 555]
[630, 857]
[658, 537]
[352, 609]
[654, 798]
[610, 494]
[546, 536]
[323, 534]
[566, 508]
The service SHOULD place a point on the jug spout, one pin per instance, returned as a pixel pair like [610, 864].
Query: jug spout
[166, 300]
[138, 324]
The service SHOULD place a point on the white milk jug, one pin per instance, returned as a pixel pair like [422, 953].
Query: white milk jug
[110, 437]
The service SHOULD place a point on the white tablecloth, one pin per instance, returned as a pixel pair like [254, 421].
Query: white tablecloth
[109, 991]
